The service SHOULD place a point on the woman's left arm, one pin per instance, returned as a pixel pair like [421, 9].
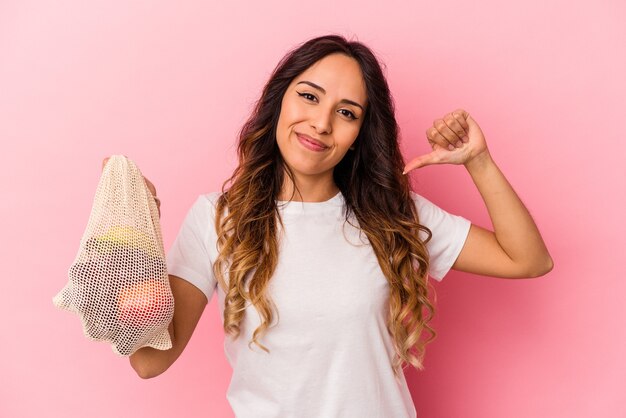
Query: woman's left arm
[515, 248]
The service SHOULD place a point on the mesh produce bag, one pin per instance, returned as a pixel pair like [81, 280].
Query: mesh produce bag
[118, 284]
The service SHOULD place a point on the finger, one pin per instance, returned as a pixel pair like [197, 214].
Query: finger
[150, 186]
[433, 134]
[455, 126]
[154, 194]
[461, 116]
[104, 162]
[448, 133]
[436, 146]
[422, 161]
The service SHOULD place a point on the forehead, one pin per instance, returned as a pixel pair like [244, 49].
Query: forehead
[339, 75]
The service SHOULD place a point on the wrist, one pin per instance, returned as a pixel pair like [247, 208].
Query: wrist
[479, 161]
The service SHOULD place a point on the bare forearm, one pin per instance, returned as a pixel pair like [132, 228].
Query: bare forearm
[149, 362]
[514, 228]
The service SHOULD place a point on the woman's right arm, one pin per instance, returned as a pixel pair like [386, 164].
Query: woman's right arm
[189, 303]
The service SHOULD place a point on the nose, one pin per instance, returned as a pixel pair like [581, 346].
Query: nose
[321, 121]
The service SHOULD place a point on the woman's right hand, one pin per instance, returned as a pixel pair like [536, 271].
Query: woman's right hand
[148, 183]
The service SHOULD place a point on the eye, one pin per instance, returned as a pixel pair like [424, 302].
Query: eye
[307, 96]
[348, 114]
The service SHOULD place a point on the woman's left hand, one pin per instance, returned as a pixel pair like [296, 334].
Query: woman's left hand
[455, 139]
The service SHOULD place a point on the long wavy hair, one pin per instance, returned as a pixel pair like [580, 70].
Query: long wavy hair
[374, 189]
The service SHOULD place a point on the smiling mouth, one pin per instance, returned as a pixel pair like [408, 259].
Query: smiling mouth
[310, 143]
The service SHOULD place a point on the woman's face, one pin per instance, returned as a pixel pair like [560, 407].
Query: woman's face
[324, 104]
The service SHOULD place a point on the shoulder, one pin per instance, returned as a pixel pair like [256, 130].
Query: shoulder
[204, 205]
[424, 205]
[209, 198]
[415, 196]
[433, 216]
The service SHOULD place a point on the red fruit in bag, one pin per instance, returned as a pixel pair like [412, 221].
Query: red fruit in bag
[140, 303]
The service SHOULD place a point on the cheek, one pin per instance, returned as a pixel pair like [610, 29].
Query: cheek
[348, 134]
[285, 124]
[292, 112]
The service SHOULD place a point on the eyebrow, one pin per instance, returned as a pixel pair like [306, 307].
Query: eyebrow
[315, 86]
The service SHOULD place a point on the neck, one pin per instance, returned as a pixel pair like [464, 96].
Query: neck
[308, 190]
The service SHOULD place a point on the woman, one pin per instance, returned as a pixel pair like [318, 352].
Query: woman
[320, 252]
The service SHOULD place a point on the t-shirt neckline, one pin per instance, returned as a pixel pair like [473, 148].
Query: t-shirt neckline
[287, 206]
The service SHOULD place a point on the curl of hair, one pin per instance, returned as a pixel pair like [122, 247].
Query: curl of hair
[375, 191]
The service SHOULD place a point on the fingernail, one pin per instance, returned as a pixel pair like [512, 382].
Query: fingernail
[404, 172]
[459, 144]
[451, 147]
[465, 139]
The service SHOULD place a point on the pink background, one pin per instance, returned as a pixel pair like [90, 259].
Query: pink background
[169, 85]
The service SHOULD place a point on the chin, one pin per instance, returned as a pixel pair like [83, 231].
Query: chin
[307, 169]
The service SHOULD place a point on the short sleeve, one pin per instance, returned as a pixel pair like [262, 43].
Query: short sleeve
[188, 257]
[449, 234]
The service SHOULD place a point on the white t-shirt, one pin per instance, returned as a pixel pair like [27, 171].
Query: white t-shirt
[330, 353]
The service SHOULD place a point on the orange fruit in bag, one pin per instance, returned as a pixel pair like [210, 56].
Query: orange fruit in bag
[139, 303]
